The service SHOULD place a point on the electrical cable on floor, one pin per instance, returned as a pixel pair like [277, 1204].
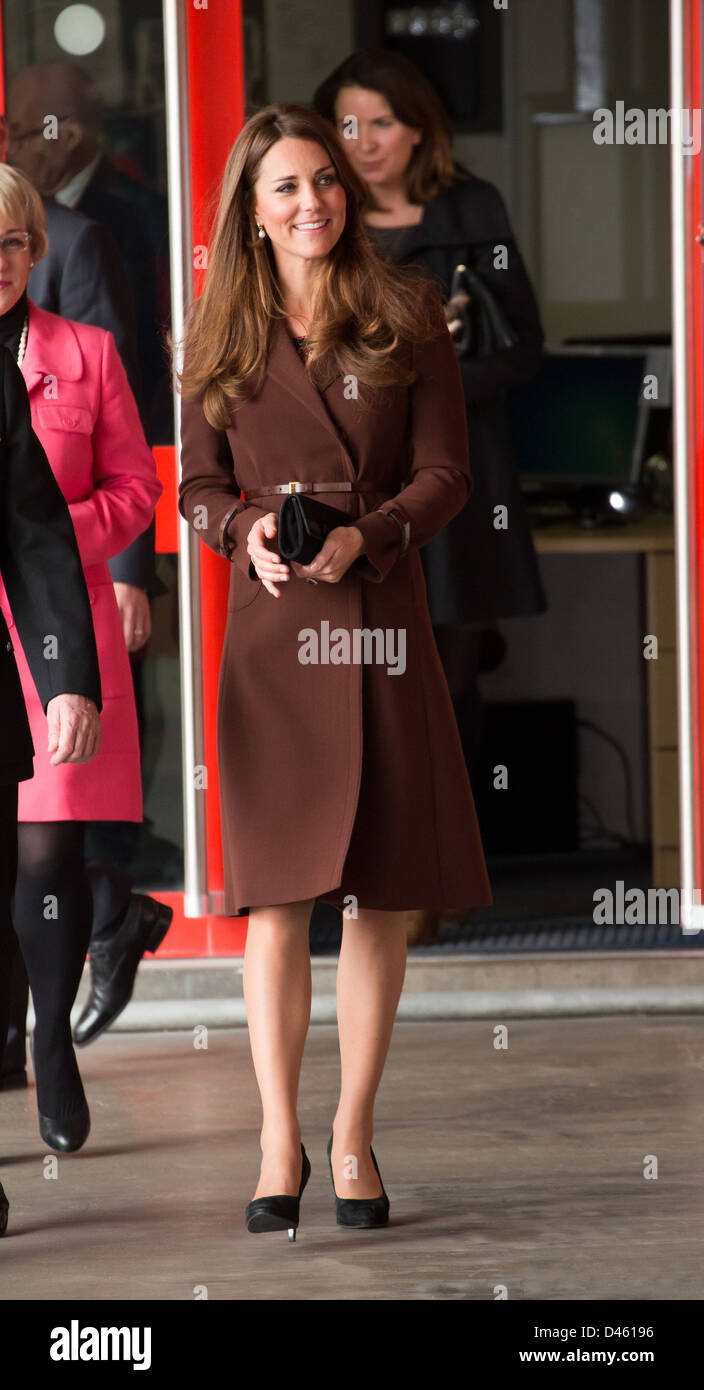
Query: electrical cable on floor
[590, 834]
[609, 738]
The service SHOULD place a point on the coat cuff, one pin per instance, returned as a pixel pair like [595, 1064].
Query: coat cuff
[234, 538]
[383, 543]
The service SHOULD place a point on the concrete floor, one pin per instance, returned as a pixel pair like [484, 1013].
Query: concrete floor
[520, 1167]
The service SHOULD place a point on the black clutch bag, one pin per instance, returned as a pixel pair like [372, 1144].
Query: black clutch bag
[480, 328]
[304, 524]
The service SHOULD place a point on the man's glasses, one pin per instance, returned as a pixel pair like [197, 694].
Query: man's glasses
[14, 242]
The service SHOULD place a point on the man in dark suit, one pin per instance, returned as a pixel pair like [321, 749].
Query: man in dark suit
[56, 118]
[84, 277]
[43, 576]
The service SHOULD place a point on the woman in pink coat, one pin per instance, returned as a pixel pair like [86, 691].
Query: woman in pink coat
[86, 418]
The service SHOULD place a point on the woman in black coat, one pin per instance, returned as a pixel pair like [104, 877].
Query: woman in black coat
[426, 211]
[43, 575]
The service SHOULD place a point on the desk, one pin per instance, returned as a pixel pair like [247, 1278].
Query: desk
[652, 537]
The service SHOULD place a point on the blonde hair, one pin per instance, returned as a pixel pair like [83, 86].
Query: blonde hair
[20, 202]
[364, 308]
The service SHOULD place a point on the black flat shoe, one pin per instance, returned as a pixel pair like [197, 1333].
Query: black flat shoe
[4, 1210]
[67, 1134]
[360, 1211]
[114, 963]
[278, 1213]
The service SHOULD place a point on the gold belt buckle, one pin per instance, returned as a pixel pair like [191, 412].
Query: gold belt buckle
[293, 487]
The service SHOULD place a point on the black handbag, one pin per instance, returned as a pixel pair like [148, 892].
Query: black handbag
[480, 328]
[304, 524]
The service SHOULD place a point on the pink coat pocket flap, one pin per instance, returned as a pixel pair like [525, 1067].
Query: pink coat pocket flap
[65, 417]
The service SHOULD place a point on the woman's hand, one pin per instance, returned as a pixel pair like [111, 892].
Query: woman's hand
[135, 613]
[74, 729]
[454, 311]
[340, 550]
[267, 561]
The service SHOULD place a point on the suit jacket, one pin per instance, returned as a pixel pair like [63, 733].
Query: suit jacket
[86, 418]
[138, 219]
[42, 573]
[476, 572]
[83, 278]
[334, 780]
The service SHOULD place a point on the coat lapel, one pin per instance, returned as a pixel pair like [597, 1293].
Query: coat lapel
[286, 368]
[52, 348]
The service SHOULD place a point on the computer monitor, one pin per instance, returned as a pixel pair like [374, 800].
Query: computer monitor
[587, 417]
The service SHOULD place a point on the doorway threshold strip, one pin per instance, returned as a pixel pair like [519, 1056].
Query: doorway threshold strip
[535, 934]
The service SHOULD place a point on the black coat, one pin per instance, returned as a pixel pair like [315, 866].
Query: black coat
[83, 277]
[475, 572]
[43, 575]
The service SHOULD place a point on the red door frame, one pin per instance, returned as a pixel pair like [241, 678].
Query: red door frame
[215, 65]
[695, 333]
[687, 229]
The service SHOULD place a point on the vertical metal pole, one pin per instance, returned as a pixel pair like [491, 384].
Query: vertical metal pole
[180, 235]
[692, 915]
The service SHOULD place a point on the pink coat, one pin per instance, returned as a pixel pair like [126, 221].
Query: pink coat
[85, 415]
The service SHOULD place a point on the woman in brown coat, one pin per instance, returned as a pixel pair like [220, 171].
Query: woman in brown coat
[308, 360]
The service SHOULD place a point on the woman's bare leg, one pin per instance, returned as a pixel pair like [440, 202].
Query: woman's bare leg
[370, 976]
[277, 992]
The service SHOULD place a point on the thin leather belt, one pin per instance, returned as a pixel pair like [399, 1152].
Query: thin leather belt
[252, 492]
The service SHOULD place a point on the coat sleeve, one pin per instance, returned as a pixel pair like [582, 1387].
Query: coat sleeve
[137, 564]
[484, 377]
[440, 479]
[126, 486]
[91, 286]
[209, 494]
[41, 564]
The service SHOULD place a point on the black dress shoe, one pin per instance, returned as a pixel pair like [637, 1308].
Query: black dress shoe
[114, 962]
[67, 1134]
[278, 1213]
[4, 1210]
[360, 1211]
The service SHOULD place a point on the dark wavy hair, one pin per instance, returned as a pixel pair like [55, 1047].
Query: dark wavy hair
[413, 101]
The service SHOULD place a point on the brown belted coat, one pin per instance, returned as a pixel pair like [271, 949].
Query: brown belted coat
[343, 776]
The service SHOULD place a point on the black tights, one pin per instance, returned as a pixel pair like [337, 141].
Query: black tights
[52, 911]
[8, 869]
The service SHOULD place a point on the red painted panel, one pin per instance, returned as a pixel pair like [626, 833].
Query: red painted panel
[167, 513]
[190, 937]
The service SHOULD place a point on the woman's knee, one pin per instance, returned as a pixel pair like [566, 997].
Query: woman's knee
[282, 918]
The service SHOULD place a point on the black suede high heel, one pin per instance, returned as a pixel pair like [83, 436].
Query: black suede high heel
[360, 1211]
[4, 1210]
[278, 1213]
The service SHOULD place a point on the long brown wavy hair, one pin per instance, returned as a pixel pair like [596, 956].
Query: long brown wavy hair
[364, 307]
[413, 101]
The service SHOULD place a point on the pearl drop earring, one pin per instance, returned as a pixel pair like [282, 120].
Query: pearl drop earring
[261, 229]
